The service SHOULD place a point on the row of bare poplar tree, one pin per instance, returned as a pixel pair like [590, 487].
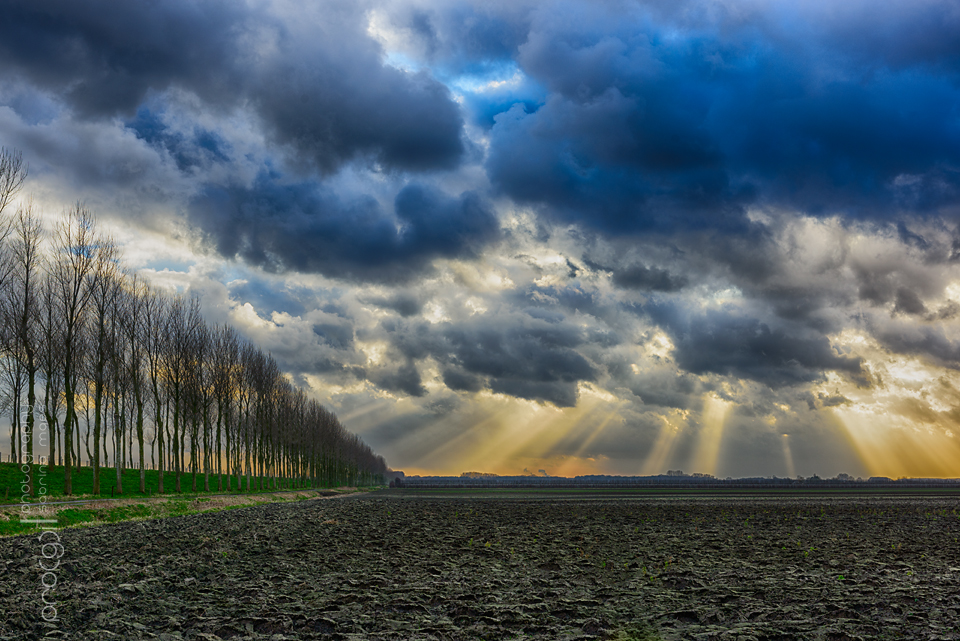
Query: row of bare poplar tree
[83, 336]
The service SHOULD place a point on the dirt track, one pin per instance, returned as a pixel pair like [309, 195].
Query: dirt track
[382, 566]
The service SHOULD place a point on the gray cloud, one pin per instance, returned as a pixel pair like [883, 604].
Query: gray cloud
[402, 303]
[725, 343]
[319, 90]
[642, 277]
[537, 363]
[644, 131]
[404, 379]
[305, 228]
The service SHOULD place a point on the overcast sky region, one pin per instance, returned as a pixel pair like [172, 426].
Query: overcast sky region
[579, 236]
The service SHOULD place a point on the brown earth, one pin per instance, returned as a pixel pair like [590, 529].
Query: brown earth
[391, 565]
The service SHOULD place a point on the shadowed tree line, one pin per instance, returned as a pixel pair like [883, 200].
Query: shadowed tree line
[93, 357]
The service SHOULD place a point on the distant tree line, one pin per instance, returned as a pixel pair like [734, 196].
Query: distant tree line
[673, 481]
[88, 350]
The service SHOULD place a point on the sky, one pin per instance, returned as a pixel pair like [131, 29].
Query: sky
[583, 237]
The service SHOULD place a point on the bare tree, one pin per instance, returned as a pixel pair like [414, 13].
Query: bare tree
[22, 315]
[13, 377]
[75, 245]
[203, 340]
[152, 335]
[226, 353]
[52, 359]
[104, 343]
[197, 388]
[118, 380]
[177, 343]
[136, 311]
[13, 172]
[103, 283]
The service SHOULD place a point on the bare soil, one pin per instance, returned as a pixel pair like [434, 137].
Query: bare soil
[392, 565]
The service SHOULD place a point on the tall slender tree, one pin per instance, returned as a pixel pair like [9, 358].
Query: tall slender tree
[152, 335]
[133, 321]
[103, 285]
[22, 314]
[75, 246]
[104, 344]
[52, 359]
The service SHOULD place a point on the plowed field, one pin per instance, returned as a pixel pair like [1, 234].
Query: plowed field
[395, 565]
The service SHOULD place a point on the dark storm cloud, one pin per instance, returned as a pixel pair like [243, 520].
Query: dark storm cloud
[722, 342]
[571, 298]
[885, 280]
[897, 34]
[750, 349]
[803, 304]
[560, 393]
[305, 228]
[103, 57]
[476, 43]
[665, 122]
[648, 278]
[405, 379]
[909, 303]
[641, 277]
[536, 363]
[928, 341]
[322, 90]
[575, 158]
[332, 113]
[468, 39]
[200, 148]
[665, 391]
[461, 381]
[402, 303]
[337, 336]
[655, 388]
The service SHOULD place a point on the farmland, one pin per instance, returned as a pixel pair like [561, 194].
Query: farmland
[406, 565]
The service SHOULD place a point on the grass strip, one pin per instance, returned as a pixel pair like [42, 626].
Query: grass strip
[139, 509]
[51, 478]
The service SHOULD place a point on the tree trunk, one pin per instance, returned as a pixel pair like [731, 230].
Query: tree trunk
[67, 440]
[143, 473]
[97, 407]
[31, 401]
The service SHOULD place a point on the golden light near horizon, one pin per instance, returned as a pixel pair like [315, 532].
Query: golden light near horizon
[533, 431]
[512, 434]
[712, 421]
[506, 435]
[889, 446]
[788, 456]
[906, 423]
[662, 449]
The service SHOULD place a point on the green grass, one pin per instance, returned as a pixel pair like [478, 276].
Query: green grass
[185, 502]
[11, 525]
[11, 478]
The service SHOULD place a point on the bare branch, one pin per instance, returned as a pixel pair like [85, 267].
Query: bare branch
[12, 174]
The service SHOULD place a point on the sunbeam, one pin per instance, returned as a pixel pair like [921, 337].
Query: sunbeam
[712, 421]
[788, 456]
[662, 449]
[897, 450]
